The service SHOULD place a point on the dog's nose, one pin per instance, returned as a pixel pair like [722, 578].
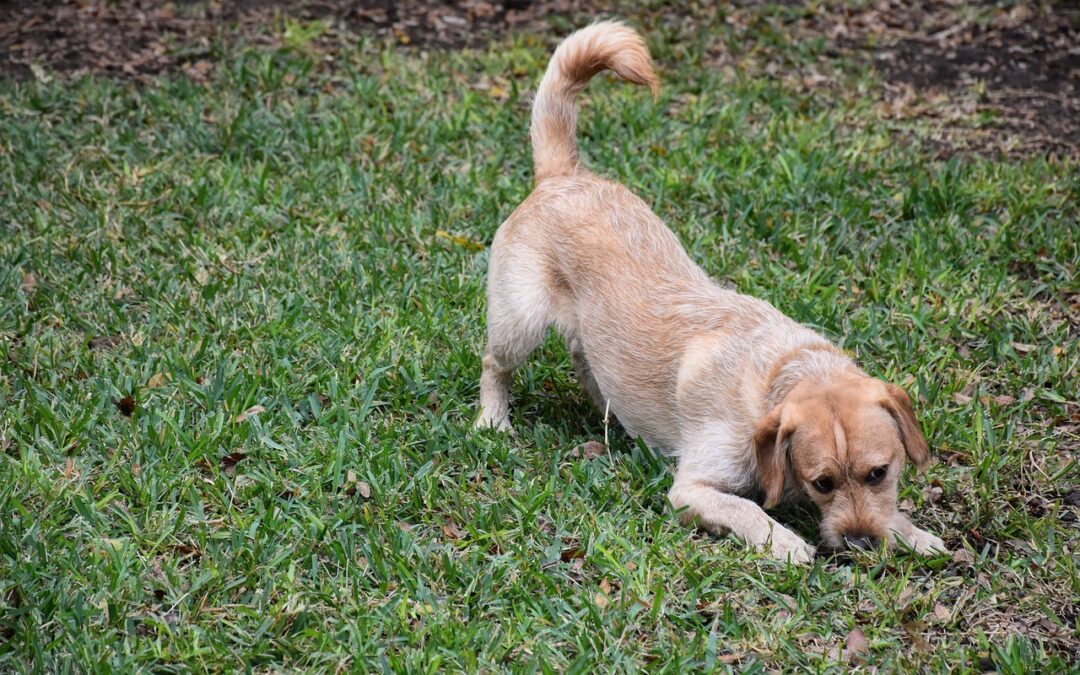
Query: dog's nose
[862, 541]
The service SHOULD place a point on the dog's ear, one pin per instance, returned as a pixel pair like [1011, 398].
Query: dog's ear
[898, 404]
[771, 451]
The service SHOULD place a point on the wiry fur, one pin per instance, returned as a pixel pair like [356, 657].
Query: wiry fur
[723, 381]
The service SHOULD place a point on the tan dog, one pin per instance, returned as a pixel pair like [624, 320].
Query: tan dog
[749, 401]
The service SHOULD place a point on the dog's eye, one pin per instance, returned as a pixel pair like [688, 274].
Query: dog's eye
[876, 474]
[823, 485]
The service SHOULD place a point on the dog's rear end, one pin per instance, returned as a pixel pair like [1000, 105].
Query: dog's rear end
[543, 257]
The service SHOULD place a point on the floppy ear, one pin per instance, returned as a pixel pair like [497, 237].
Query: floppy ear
[770, 449]
[899, 406]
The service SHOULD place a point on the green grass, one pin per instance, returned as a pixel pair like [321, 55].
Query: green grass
[271, 238]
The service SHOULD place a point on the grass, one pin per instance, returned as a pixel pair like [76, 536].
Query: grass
[305, 243]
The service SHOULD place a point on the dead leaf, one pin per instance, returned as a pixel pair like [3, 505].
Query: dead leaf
[126, 405]
[941, 612]
[961, 398]
[105, 342]
[230, 460]
[589, 450]
[962, 555]
[571, 553]
[136, 470]
[253, 410]
[1005, 399]
[904, 599]
[451, 531]
[1023, 348]
[857, 646]
[461, 241]
[601, 600]
[364, 489]
[69, 469]
[605, 586]
[156, 380]
[29, 283]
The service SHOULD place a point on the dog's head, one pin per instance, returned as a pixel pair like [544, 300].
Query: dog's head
[842, 442]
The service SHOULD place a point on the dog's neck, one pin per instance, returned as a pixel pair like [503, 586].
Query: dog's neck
[818, 360]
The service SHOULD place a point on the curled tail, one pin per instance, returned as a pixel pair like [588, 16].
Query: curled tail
[608, 45]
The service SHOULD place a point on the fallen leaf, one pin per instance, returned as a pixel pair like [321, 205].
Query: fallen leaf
[156, 380]
[29, 283]
[105, 342]
[904, 599]
[1023, 348]
[126, 405]
[605, 586]
[601, 600]
[232, 459]
[451, 531]
[253, 410]
[460, 241]
[961, 398]
[962, 555]
[364, 489]
[136, 470]
[941, 612]
[857, 646]
[69, 469]
[589, 450]
[39, 73]
[1005, 399]
[571, 553]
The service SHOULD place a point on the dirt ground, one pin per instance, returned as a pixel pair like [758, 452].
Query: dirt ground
[1014, 67]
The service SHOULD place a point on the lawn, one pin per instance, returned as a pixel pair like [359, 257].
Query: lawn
[239, 344]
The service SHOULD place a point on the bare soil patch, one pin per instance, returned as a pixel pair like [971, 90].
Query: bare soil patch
[996, 78]
[1012, 68]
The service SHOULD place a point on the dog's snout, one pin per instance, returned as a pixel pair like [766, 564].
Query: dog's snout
[861, 541]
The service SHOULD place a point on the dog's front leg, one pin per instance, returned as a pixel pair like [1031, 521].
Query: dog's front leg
[922, 541]
[722, 513]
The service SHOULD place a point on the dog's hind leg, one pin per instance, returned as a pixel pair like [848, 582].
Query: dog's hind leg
[585, 375]
[519, 312]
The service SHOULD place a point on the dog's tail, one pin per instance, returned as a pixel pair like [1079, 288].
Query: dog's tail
[608, 45]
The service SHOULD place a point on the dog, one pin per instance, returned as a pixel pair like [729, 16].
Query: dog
[749, 402]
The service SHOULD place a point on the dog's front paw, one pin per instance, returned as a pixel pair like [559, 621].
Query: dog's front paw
[923, 542]
[783, 544]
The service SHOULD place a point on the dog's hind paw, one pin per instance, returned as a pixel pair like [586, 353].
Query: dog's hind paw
[503, 424]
